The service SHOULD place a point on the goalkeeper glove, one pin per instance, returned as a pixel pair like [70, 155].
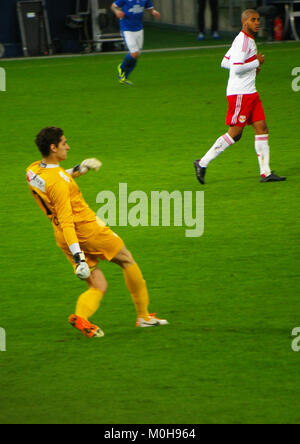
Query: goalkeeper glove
[89, 164]
[84, 167]
[82, 268]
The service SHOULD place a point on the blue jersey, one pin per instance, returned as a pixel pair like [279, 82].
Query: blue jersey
[134, 13]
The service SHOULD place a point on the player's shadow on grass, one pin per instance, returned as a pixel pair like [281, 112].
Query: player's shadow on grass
[212, 181]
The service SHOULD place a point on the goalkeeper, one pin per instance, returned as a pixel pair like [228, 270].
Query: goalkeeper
[80, 234]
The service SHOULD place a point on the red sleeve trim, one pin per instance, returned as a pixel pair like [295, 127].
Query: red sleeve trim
[251, 59]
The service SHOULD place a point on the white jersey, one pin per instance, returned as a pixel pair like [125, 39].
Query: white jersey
[242, 62]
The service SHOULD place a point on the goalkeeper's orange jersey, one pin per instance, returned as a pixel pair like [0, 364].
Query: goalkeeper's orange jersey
[59, 197]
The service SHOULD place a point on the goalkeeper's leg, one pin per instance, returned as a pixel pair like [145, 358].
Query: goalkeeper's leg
[137, 287]
[88, 303]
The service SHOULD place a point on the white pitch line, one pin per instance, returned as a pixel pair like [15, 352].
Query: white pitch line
[149, 51]
[94, 54]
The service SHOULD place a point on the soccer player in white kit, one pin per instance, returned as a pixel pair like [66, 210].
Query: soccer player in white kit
[131, 15]
[244, 104]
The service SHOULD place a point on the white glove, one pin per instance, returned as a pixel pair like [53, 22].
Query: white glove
[82, 268]
[89, 164]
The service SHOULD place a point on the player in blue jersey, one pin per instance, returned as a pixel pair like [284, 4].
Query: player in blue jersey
[131, 15]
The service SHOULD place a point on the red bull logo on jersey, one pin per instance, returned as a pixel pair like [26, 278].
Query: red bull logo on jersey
[242, 119]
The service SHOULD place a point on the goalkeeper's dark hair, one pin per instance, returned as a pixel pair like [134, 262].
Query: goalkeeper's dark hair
[47, 137]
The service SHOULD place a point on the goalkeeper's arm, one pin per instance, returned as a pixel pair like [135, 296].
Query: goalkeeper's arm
[59, 194]
[84, 167]
[82, 268]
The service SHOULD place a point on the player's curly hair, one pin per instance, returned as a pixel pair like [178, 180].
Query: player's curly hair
[47, 137]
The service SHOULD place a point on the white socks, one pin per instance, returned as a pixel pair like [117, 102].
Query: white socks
[219, 147]
[263, 153]
[261, 146]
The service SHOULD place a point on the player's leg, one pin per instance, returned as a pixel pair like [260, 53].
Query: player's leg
[127, 61]
[220, 145]
[258, 120]
[134, 281]
[214, 7]
[236, 122]
[136, 47]
[201, 19]
[133, 59]
[137, 287]
[233, 135]
[97, 242]
[88, 303]
[134, 42]
[262, 149]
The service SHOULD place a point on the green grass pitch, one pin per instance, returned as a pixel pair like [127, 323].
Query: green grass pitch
[231, 296]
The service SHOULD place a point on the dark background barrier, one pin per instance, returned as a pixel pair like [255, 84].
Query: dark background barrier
[64, 38]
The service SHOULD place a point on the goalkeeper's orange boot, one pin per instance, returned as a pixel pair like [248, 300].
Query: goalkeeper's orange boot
[88, 329]
[150, 321]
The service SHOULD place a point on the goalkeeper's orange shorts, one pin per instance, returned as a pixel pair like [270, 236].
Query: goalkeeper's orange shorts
[97, 242]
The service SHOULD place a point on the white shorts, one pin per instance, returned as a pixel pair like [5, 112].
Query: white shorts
[134, 40]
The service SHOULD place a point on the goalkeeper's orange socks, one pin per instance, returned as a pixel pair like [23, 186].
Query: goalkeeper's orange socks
[138, 289]
[88, 303]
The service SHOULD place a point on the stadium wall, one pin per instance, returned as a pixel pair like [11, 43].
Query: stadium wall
[57, 12]
[183, 14]
[180, 14]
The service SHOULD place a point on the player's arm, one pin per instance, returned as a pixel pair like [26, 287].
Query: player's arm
[84, 167]
[226, 61]
[239, 63]
[261, 59]
[116, 8]
[150, 9]
[60, 197]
